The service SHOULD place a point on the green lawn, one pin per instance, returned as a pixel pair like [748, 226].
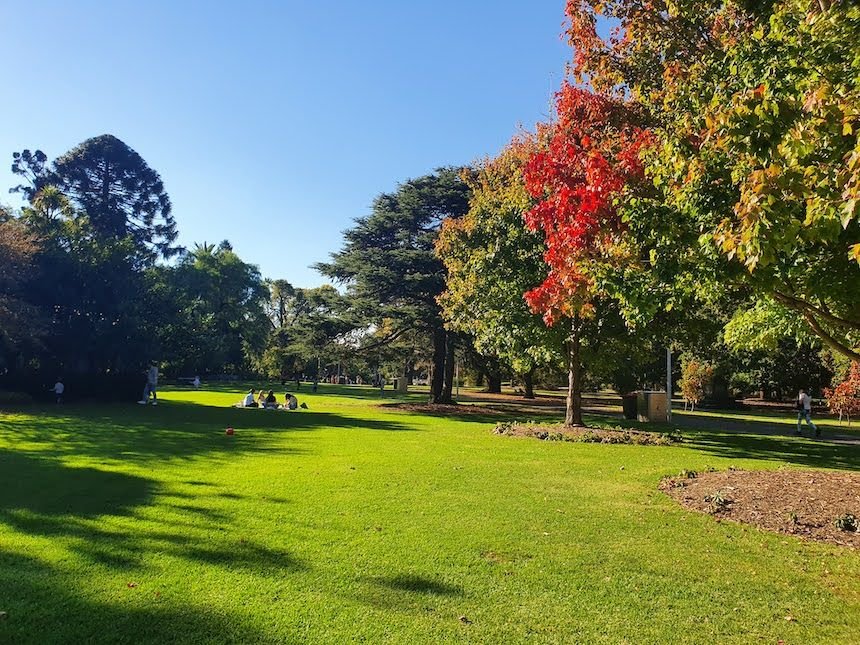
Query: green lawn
[348, 522]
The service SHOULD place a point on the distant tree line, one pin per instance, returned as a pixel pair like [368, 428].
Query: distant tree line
[94, 286]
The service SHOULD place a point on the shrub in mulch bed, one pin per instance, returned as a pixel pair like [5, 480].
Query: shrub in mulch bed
[585, 435]
[818, 505]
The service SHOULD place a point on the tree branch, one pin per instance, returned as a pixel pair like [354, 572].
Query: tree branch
[803, 306]
[383, 341]
[829, 340]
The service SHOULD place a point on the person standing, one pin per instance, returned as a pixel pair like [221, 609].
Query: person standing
[151, 386]
[59, 389]
[196, 382]
[804, 410]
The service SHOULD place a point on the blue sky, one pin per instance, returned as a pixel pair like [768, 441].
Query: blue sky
[275, 124]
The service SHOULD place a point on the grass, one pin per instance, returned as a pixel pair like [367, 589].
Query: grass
[349, 522]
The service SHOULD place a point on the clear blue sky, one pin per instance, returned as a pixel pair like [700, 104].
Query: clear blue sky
[274, 124]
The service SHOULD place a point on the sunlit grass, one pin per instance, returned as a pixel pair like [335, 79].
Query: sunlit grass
[349, 522]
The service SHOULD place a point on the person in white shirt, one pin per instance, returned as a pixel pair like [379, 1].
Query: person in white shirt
[248, 401]
[804, 410]
[58, 390]
[196, 382]
[151, 385]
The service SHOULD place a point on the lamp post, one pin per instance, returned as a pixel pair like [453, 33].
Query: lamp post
[669, 384]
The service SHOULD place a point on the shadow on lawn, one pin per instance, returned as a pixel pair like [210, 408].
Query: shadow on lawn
[405, 592]
[816, 454]
[41, 496]
[173, 430]
[46, 487]
[418, 584]
[46, 605]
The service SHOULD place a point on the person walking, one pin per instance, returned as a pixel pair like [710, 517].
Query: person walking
[58, 390]
[151, 385]
[804, 410]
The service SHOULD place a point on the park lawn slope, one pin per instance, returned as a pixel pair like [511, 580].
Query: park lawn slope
[351, 522]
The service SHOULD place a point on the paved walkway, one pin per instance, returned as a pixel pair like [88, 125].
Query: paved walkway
[745, 426]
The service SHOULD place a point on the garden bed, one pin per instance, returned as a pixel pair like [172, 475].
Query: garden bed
[795, 502]
[619, 435]
[443, 409]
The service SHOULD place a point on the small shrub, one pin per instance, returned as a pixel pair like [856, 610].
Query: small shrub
[847, 522]
[717, 502]
[793, 518]
[504, 427]
[688, 474]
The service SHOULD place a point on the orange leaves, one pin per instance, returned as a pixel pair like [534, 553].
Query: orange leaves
[591, 155]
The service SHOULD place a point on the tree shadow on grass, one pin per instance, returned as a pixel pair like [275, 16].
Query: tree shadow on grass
[405, 592]
[46, 487]
[46, 605]
[174, 430]
[418, 584]
[814, 454]
[41, 496]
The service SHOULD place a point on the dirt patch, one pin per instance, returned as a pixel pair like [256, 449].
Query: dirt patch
[442, 409]
[584, 435]
[796, 502]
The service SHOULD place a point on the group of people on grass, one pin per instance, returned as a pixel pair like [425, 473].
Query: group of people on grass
[268, 401]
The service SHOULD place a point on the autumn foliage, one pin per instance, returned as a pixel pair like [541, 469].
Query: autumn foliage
[844, 399]
[591, 155]
[696, 377]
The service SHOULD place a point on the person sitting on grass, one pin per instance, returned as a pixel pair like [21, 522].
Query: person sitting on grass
[261, 399]
[291, 403]
[271, 403]
[248, 401]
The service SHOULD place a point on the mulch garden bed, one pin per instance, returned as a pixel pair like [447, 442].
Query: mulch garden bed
[804, 503]
[442, 409]
[584, 435]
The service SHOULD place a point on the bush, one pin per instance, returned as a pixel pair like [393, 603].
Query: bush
[14, 398]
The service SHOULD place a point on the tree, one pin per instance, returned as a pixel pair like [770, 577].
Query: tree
[753, 108]
[19, 320]
[591, 158]
[390, 268]
[492, 259]
[696, 377]
[113, 186]
[212, 315]
[304, 323]
[844, 399]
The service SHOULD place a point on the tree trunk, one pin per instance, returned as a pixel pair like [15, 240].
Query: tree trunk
[439, 350]
[448, 385]
[528, 382]
[573, 412]
[494, 382]
[408, 371]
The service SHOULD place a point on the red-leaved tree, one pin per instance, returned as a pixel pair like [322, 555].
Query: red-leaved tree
[844, 399]
[591, 155]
